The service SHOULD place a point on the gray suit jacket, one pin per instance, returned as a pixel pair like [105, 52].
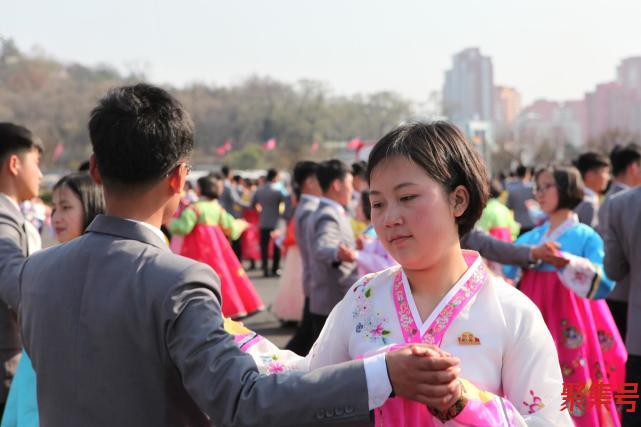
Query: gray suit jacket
[623, 255]
[306, 207]
[231, 201]
[330, 279]
[13, 250]
[122, 332]
[518, 193]
[269, 198]
[588, 211]
[622, 289]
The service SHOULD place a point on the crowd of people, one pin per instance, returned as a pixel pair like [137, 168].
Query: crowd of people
[423, 290]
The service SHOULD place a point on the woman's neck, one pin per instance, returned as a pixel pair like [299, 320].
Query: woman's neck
[558, 217]
[436, 281]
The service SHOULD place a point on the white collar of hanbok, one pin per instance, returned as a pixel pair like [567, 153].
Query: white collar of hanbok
[431, 331]
[558, 231]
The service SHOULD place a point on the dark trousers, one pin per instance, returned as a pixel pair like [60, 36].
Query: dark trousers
[265, 237]
[318, 321]
[619, 310]
[633, 375]
[302, 340]
[237, 248]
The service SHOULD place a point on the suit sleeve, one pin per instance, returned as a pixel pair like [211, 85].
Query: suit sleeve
[495, 249]
[225, 382]
[325, 238]
[11, 260]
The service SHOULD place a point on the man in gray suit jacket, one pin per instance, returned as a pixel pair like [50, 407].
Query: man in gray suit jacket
[20, 179]
[626, 170]
[122, 332]
[332, 244]
[307, 187]
[595, 172]
[269, 197]
[519, 193]
[622, 256]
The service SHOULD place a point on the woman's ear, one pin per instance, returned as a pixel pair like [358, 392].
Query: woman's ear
[459, 201]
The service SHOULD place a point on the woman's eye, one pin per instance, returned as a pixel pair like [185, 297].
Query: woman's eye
[377, 205]
[407, 198]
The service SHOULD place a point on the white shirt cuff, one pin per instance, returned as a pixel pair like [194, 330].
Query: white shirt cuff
[379, 386]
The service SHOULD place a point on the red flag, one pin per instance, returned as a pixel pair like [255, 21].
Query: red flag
[315, 146]
[355, 144]
[221, 150]
[270, 144]
[57, 152]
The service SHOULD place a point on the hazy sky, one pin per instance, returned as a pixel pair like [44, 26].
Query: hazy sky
[556, 49]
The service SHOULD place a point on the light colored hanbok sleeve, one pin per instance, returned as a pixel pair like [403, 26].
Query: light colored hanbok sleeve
[531, 376]
[584, 274]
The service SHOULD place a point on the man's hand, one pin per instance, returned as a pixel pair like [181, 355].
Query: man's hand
[425, 374]
[548, 252]
[346, 254]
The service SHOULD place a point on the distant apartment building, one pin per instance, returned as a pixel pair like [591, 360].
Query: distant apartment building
[468, 93]
[507, 105]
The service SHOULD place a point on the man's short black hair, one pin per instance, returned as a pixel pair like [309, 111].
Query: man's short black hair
[359, 169]
[521, 170]
[271, 175]
[330, 171]
[139, 134]
[225, 171]
[623, 156]
[303, 170]
[15, 139]
[589, 161]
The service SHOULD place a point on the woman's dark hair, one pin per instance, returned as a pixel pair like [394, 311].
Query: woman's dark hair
[89, 193]
[569, 185]
[440, 149]
[366, 205]
[208, 186]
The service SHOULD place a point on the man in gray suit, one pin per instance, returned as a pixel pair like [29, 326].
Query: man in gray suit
[20, 180]
[626, 170]
[519, 193]
[269, 196]
[307, 187]
[332, 244]
[122, 332]
[622, 256]
[595, 172]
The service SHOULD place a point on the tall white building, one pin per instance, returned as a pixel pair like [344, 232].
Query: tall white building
[468, 93]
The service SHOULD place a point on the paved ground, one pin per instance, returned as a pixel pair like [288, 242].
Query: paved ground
[265, 323]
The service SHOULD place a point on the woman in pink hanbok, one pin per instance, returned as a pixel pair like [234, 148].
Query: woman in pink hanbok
[570, 298]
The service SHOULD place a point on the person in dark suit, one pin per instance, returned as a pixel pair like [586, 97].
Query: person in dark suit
[123, 332]
[20, 178]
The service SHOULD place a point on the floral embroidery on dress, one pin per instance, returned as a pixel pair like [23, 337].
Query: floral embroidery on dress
[572, 337]
[272, 363]
[606, 340]
[368, 323]
[536, 405]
